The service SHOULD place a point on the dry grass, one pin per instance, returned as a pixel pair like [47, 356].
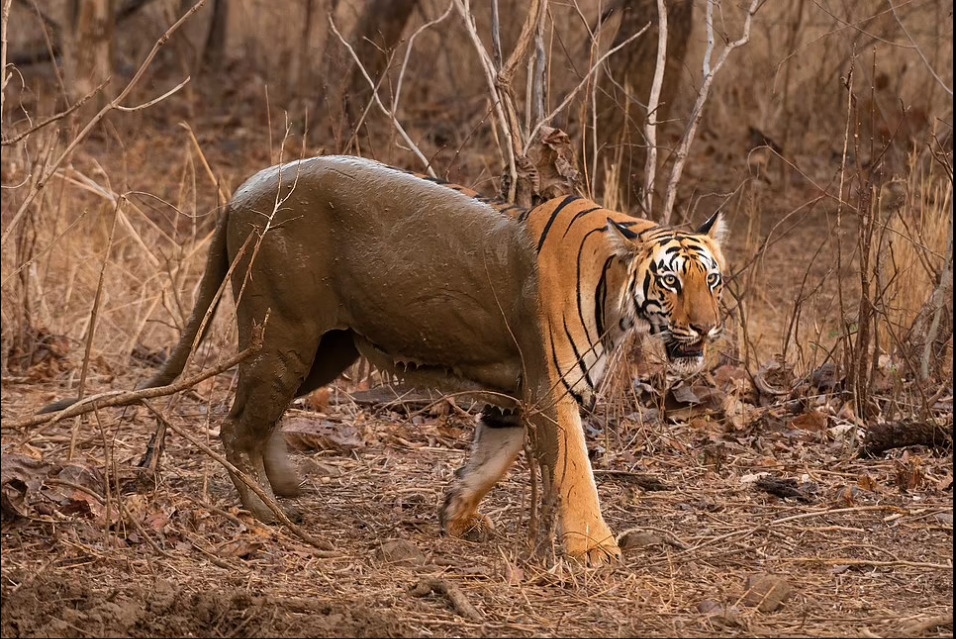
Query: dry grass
[178, 557]
[870, 551]
[915, 248]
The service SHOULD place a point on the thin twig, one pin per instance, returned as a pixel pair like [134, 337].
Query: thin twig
[91, 331]
[919, 51]
[783, 520]
[113, 104]
[126, 398]
[389, 114]
[156, 100]
[670, 196]
[408, 52]
[53, 118]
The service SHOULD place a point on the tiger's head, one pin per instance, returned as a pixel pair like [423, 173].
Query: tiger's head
[675, 287]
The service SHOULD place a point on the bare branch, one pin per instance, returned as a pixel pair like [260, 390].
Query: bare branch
[541, 70]
[690, 133]
[253, 485]
[496, 34]
[4, 19]
[41, 182]
[507, 72]
[389, 114]
[597, 65]
[490, 77]
[126, 398]
[653, 102]
[919, 51]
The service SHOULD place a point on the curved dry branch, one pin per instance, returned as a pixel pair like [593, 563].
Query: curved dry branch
[125, 398]
[113, 105]
[670, 197]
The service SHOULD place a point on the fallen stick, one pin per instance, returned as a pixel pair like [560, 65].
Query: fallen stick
[882, 437]
[843, 561]
[457, 598]
[125, 398]
[323, 546]
[921, 626]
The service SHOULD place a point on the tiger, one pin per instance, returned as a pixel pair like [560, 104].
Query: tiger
[521, 308]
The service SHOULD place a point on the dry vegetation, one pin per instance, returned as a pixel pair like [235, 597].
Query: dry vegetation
[817, 448]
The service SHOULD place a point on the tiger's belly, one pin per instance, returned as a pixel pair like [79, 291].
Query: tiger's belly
[495, 381]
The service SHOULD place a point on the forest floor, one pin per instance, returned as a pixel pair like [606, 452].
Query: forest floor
[746, 512]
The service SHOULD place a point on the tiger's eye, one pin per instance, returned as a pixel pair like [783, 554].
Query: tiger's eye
[670, 280]
[713, 279]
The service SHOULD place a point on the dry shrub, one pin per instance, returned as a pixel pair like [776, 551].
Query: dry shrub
[914, 249]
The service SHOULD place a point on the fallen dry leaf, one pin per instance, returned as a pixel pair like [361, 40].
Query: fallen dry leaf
[306, 434]
[318, 400]
[766, 592]
[639, 539]
[400, 551]
[240, 548]
[814, 421]
[19, 474]
[865, 482]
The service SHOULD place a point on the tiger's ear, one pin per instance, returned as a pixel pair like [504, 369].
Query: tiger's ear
[714, 227]
[621, 237]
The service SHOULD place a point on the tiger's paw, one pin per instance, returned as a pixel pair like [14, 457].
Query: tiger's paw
[592, 550]
[474, 527]
[597, 555]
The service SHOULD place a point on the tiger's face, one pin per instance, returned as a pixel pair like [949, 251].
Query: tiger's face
[676, 291]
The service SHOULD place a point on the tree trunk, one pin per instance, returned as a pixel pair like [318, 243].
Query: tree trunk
[345, 91]
[626, 86]
[214, 53]
[89, 45]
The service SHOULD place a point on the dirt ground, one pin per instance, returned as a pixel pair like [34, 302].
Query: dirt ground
[861, 547]
[743, 501]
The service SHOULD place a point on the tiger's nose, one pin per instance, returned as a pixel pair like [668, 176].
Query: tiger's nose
[706, 331]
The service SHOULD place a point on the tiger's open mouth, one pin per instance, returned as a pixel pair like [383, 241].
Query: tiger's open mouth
[683, 359]
[680, 350]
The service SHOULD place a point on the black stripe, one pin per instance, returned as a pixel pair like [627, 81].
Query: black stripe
[554, 215]
[581, 363]
[577, 216]
[584, 241]
[557, 367]
[600, 298]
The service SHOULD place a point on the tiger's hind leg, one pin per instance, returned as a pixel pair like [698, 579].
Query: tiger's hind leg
[335, 354]
[498, 439]
[267, 384]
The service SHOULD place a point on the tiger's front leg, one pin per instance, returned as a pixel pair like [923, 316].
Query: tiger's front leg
[499, 437]
[561, 448]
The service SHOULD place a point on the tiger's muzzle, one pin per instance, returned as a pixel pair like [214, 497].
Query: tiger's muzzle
[685, 354]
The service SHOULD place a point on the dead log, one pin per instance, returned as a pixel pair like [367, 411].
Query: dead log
[883, 437]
